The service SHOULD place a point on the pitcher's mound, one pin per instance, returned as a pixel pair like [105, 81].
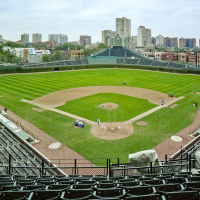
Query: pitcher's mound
[109, 106]
[112, 131]
[198, 93]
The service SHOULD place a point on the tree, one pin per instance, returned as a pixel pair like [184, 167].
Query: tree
[46, 58]
[101, 46]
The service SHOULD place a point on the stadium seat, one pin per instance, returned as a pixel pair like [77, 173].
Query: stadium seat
[129, 183]
[183, 195]
[109, 193]
[106, 185]
[146, 197]
[81, 186]
[46, 194]
[140, 190]
[14, 194]
[77, 194]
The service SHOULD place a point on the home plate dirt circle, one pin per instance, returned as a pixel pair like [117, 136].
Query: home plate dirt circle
[112, 130]
[109, 106]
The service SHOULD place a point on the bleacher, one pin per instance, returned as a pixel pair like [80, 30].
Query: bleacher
[121, 60]
[132, 61]
[176, 65]
[166, 186]
[145, 62]
[159, 63]
[21, 156]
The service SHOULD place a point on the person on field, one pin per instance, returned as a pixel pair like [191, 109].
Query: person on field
[5, 110]
[102, 105]
[98, 121]
[162, 102]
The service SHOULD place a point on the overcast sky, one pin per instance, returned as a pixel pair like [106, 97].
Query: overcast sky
[173, 18]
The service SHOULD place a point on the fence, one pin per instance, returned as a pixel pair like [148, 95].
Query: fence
[67, 166]
[166, 166]
[110, 169]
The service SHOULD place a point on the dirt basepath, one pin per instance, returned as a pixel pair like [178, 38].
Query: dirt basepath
[59, 98]
[169, 146]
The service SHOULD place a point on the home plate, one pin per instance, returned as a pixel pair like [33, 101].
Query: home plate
[119, 127]
[54, 145]
[176, 138]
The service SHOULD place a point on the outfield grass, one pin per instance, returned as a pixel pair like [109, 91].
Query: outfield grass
[161, 124]
[88, 107]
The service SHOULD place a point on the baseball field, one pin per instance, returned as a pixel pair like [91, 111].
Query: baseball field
[67, 93]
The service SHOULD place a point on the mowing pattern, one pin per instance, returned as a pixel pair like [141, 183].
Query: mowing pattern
[161, 125]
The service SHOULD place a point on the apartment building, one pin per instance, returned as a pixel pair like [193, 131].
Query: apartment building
[36, 37]
[144, 37]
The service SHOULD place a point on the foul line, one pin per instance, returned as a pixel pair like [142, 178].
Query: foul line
[93, 123]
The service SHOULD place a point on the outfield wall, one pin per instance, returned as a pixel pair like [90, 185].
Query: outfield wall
[96, 66]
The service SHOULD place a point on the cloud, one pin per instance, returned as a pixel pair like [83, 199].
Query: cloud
[74, 18]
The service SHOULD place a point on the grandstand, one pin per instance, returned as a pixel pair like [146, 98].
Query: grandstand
[120, 52]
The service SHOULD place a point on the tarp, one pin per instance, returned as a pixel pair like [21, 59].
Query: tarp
[143, 158]
[197, 156]
[14, 128]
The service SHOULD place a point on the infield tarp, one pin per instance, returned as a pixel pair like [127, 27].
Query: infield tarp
[12, 127]
[143, 158]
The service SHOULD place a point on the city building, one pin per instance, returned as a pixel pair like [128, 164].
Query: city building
[85, 40]
[75, 43]
[36, 37]
[198, 59]
[35, 56]
[192, 58]
[25, 38]
[170, 56]
[106, 34]
[181, 42]
[133, 42]
[59, 38]
[1, 38]
[153, 41]
[76, 54]
[144, 37]
[123, 29]
[160, 40]
[170, 42]
[158, 55]
[120, 37]
[183, 57]
[187, 42]
[19, 52]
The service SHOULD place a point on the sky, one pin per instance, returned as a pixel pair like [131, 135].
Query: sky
[172, 18]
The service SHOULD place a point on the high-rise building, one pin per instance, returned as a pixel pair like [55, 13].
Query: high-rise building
[106, 34]
[123, 27]
[85, 40]
[153, 41]
[1, 38]
[133, 42]
[25, 38]
[171, 42]
[160, 40]
[123, 30]
[187, 42]
[36, 37]
[60, 38]
[182, 42]
[144, 36]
